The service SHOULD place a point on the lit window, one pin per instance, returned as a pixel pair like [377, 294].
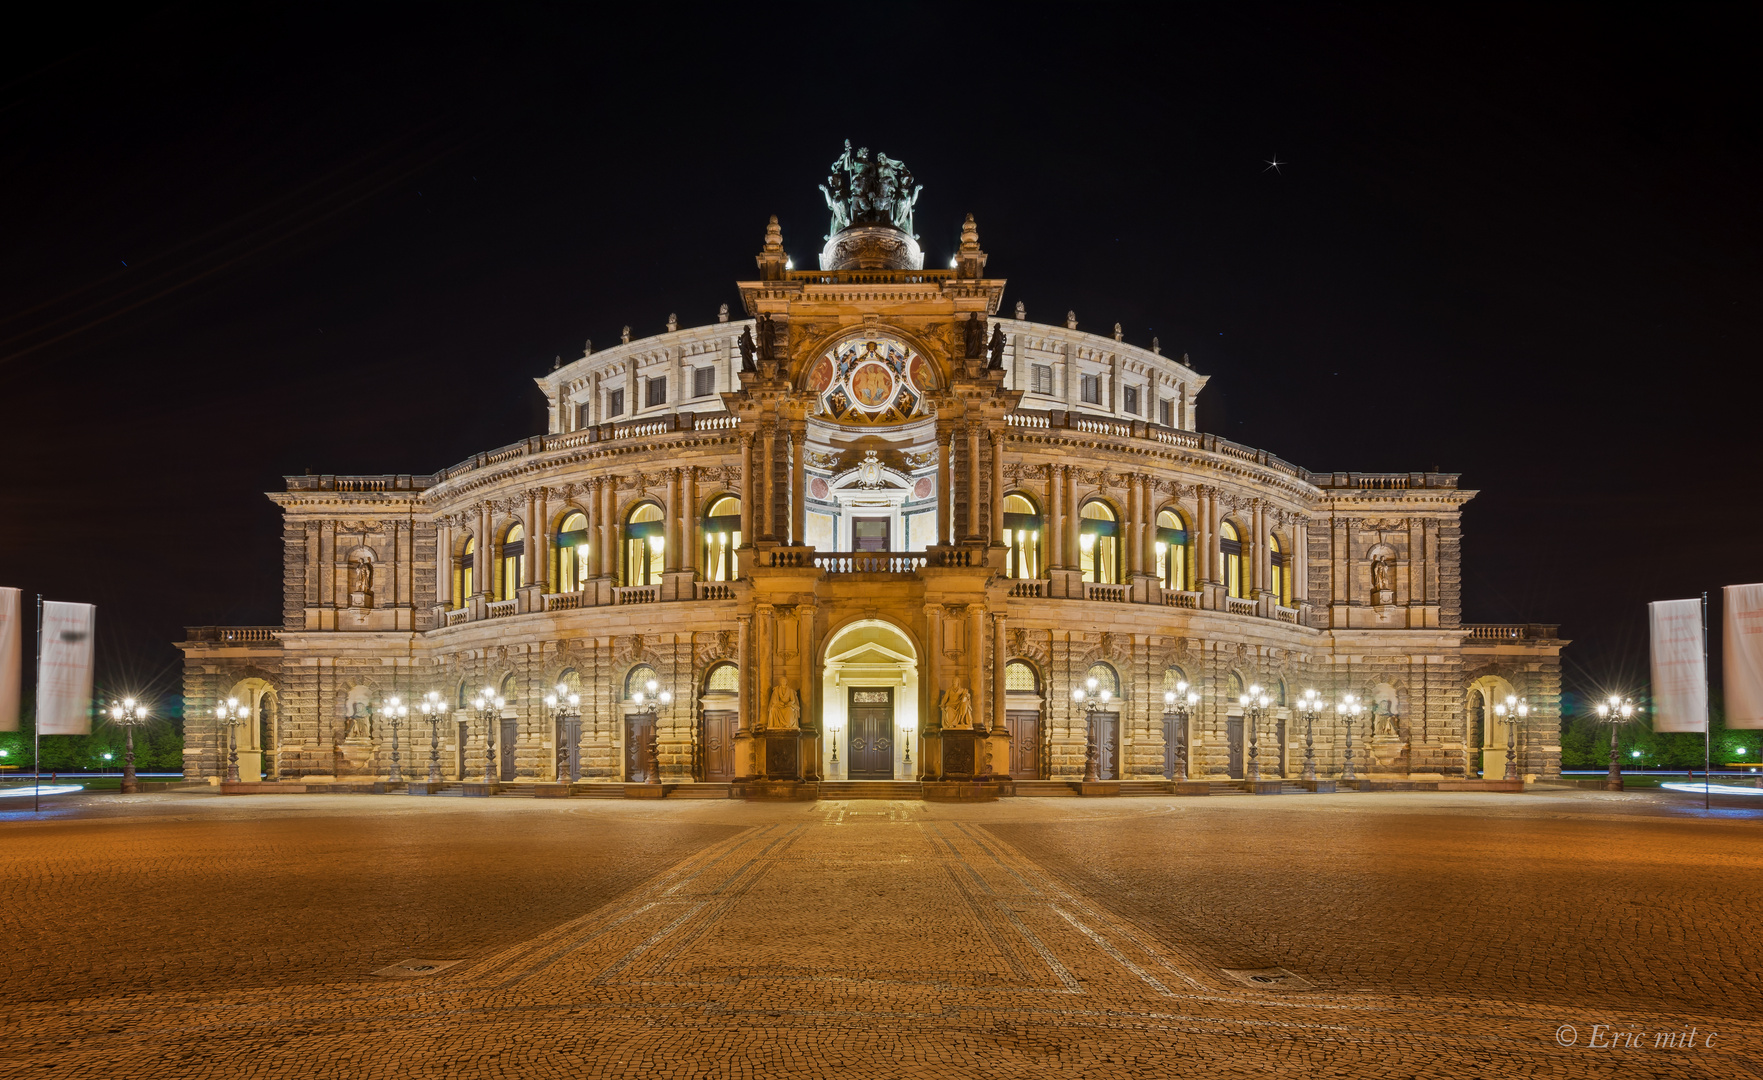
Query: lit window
[1171, 546]
[1098, 542]
[1230, 544]
[1282, 575]
[572, 554]
[462, 577]
[1021, 677]
[645, 540]
[1022, 537]
[1106, 679]
[722, 538]
[513, 568]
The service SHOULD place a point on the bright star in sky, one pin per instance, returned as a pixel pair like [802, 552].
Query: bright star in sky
[1274, 165]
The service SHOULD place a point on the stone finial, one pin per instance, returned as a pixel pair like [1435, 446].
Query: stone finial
[624, 336]
[774, 237]
[1157, 346]
[556, 362]
[588, 347]
[1185, 360]
[1071, 320]
[1021, 310]
[969, 235]
[1118, 332]
[672, 322]
[969, 261]
[722, 313]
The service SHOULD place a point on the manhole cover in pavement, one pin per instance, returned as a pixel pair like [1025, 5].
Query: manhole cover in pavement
[411, 969]
[1270, 979]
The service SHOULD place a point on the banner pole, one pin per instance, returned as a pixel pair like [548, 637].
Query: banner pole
[1707, 720]
[37, 720]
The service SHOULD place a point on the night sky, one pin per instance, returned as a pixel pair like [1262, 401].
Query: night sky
[239, 244]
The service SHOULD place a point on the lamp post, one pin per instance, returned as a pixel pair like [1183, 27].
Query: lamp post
[230, 714]
[395, 708]
[1091, 699]
[652, 691]
[128, 714]
[1617, 709]
[434, 707]
[1254, 705]
[1308, 707]
[489, 708]
[1349, 709]
[563, 705]
[1176, 706]
[1517, 707]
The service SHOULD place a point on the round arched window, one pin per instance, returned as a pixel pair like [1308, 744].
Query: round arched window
[573, 554]
[722, 538]
[645, 542]
[1022, 537]
[1099, 544]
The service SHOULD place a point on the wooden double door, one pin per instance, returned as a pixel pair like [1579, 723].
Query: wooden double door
[639, 729]
[1105, 730]
[1024, 726]
[870, 724]
[718, 744]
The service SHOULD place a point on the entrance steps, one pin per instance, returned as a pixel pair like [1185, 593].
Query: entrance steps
[871, 789]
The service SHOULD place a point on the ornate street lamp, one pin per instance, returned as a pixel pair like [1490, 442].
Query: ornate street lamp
[230, 714]
[434, 707]
[1309, 706]
[652, 691]
[128, 714]
[1176, 706]
[489, 709]
[395, 708]
[1519, 708]
[1616, 710]
[1254, 705]
[1349, 709]
[564, 707]
[1092, 700]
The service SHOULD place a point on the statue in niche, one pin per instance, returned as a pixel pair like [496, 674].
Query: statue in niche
[360, 576]
[975, 331]
[767, 341]
[785, 711]
[1383, 720]
[747, 349]
[997, 363]
[1383, 576]
[957, 707]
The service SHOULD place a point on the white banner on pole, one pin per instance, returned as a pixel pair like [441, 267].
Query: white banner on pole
[1680, 668]
[1743, 646]
[11, 649]
[64, 673]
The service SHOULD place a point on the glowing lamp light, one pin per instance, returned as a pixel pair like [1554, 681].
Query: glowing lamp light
[106, 757]
[1077, 695]
[1634, 753]
[550, 701]
[1169, 697]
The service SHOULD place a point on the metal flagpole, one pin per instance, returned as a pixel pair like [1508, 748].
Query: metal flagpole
[1707, 721]
[37, 720]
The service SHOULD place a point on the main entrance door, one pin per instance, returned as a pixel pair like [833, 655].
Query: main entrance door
[871, 720]
[638, 728]
[1024, 726]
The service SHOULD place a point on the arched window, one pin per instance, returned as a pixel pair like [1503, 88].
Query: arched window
[509, 685]
[1230, 544]
[1235, 686]
[1282, 571]
[1172, 676]
[724, 678]
[722, 538]
[462, 574]
[638, 680]
[1022, 537]
[1106, 679]
[1172, 551]
[571, 679]
[513, 568]
[1021, 676]
[464, 696]
[1098, 543]
[572, 554]
[645, 539]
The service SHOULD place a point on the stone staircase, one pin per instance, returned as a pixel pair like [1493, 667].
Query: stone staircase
[871, 789]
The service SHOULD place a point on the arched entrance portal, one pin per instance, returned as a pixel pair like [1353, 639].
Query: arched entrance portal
[870, 703]
[1486, 729]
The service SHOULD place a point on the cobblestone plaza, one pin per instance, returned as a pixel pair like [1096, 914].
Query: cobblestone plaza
[1405, 934]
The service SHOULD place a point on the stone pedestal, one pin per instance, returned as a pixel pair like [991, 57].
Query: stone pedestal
[1191, 787]
[1263, 787]
[1098, 787]
[422, 787]
[551, 791]
[1317, 785]
[478, 790]
[779, 755]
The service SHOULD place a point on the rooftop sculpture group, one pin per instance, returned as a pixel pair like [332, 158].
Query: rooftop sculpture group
[865, 192]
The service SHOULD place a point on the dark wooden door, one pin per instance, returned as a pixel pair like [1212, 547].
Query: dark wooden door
[1233, 734]
[570, 743]
[638, 729]
[869, 534]
[1024, 726]
[1175, 738]
[1284, 758]
[459, 751]
[871, 726]
[510, 739]
[1107, 736]
[719, 745]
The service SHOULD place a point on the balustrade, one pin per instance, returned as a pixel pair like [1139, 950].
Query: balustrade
[498, 609]
[712, 590]
[1238, 606]
[868, 562]
[568, 601]
[1028, 589]
[636, 594]
[1095, 590]
[1177, 598]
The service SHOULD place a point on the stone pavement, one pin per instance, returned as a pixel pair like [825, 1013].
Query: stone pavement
[1426, 935]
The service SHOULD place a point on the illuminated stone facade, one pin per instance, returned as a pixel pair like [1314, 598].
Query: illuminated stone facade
[880, 503]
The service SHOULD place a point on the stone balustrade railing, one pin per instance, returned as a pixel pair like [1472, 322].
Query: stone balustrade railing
[233, 635]
[501, 609]
[1514, 631]
[868, 562]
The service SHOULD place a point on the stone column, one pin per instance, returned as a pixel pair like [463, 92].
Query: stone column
[689, 521]
[931, 687]
[539, 538]
[972, 483]
[945, 489]
[1148, 544]
[1052, 530]
[1300, 562]
[591, 500]
[747, 487]
[766, 524]
[998, 661]
[1258, 561]
[798, 485]
[484, 565]
[443, 565]
[1129, 528]
[1073, 521]
[997, 522]
[670, 560]
[609, 526]
[744, 664]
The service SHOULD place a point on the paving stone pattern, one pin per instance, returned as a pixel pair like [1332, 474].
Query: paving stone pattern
[1445, 936]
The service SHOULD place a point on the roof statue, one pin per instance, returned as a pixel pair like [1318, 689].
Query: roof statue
[865, 192]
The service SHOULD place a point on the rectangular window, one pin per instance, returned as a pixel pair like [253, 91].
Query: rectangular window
[615, 403]
[655, 392]
[1130, 400]
[1166, 413]
[703, 381]
[1043, 379]
[583, 415]
[1091, 387]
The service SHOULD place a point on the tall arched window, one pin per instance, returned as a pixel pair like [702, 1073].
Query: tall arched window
[722, 538]
[645, 539]
[1022, 537]
[572, 554]
[1230, 544]
[511, 573]
[1172, 551]
[1282, 571]
[1098, 542]
[462, 574]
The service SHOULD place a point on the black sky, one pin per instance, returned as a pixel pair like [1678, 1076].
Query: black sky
[244, 242]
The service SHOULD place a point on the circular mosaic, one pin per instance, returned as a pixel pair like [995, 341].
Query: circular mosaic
[871, 381]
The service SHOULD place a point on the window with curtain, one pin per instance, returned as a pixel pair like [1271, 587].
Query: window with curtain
[1230, 543]
[462, 574]
[722, 538]
[1282, 571]
[572, 554]
[512, 571]
[1171, 546]
[1022, 537]
[1098, 542]
[645, 541]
